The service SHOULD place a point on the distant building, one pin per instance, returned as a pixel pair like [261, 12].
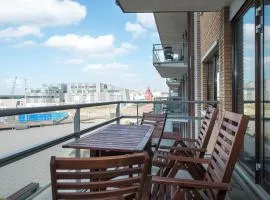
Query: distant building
[55, 94]
[148, 95]
[47, 94]
[11, 101]
[249, 91]
[98, 92]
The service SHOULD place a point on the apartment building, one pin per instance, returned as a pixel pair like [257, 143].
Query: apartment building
[97, 92]
[219, 50]
[47, 94]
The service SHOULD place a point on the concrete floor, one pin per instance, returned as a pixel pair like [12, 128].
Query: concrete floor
[238, 190]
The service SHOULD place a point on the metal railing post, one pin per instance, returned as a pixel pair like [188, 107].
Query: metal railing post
[77, 128]
[137, 114]
[117, 113]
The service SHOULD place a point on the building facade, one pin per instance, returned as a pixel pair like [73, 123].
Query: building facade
[227, 61]
[55, 94]
[47, 94]
[98, 92]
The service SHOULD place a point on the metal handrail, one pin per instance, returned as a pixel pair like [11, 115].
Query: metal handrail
[18, 111]
[29, 110]
[77, 132]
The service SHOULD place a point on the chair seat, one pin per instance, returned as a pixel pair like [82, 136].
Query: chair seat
[112, 198]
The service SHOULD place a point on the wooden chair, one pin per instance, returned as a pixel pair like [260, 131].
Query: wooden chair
[207, 125]
[188, 147]
[159, 122]
[112, 177]
[215, 182]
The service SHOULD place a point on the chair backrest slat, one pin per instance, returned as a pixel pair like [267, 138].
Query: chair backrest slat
[207, 126]
[114, 176]
[97, 185]
[226, 151]
[98, 174]
[98, 195]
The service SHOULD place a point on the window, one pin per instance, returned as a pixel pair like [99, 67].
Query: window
[245, 81]
[266, 97]
[213, 78]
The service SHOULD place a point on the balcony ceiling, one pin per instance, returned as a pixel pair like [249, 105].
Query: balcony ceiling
[171, 27]
[171, 70]
[139, 6]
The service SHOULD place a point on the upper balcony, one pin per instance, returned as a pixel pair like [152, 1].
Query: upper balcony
[173, 82]
[141, 6]
[170, 60]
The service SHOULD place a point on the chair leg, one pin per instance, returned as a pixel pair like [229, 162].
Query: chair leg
[179, 195]
[161, 192]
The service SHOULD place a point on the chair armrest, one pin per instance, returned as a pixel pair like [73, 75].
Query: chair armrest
[147, 188]
[186, 183]
[183, 148]
[185, 159]
[175, 136]
[150, 123]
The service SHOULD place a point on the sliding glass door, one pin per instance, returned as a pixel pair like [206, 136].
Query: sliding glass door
[266, 97]
[252, 86]
[245, 81]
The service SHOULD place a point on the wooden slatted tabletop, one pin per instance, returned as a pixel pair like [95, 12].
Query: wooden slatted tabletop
[115, 137]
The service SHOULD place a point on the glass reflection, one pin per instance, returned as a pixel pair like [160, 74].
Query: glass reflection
[245, 78]
[266, 89]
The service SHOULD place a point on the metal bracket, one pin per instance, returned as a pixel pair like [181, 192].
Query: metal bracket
[258, 167]
[259, 28]
[258, 11]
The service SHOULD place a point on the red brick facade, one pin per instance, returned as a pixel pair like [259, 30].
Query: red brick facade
[216, 27]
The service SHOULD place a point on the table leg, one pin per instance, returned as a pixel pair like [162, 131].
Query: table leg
[150, 154]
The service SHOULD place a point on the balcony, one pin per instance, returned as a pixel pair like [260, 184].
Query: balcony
[43, 136]
[28, 161]
[173, 82]
[170, 60]
[171, 5]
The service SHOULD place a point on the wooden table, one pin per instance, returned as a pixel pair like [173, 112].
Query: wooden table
[116, 138]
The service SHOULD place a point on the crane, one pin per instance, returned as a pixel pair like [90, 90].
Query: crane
[14, 85]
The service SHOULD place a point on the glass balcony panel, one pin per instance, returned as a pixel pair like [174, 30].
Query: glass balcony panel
[35, 168]
[27, 130]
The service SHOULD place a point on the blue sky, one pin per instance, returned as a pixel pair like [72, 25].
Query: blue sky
[249, 44]
[52, 41]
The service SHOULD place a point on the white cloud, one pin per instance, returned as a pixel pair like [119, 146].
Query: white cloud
[27, 43]
[90, 46]
[146, 20]
[105, 67]
[125, 48]
[28, 17]
[84, 43]
[74, 61]
[41, 12]
[135, 28]
[130, 75]
[19, 32]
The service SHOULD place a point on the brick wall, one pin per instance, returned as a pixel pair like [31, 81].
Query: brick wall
[191, 108]
[215, 26]
[225, 49]
[197, 71]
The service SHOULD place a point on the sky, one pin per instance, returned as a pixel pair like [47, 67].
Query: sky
[249, 44]
[56, 41]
